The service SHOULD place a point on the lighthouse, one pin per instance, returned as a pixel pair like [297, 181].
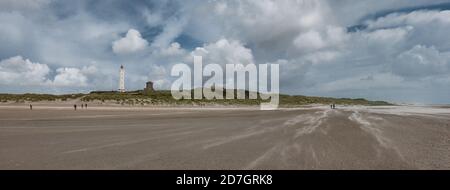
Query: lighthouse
[122, 79]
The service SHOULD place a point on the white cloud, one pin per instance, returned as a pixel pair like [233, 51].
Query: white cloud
[75, 77]
[422, 61]
[413, 18]
[224, 52]
[388, 36]
[132, 42]
[19, 71]
[309, 41]
[69, 77]
[173, 50]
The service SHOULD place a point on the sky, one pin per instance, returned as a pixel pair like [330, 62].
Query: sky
[393, 50]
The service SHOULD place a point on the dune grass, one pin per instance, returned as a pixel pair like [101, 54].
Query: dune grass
[37, 97]
[165, 97]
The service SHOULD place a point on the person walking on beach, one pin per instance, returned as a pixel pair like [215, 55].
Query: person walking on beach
[85, 105]
[75, 107]
[82, 105]
[31, 107]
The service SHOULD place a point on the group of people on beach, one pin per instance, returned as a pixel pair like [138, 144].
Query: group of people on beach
[74, 106]
[82, 106]
[333, 106]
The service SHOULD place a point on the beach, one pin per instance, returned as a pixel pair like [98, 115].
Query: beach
[310, 137]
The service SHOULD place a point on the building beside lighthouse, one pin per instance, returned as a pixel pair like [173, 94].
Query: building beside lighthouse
[121, 79]
[148, 88]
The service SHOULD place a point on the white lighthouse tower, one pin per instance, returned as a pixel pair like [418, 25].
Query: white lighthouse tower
[122, 79]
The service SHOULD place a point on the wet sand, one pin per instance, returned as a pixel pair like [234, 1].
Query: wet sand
[402, 137]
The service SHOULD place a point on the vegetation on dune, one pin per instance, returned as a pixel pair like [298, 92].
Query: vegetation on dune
[165, 98]
[37, 97]
[161, 97]
[304, 100]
